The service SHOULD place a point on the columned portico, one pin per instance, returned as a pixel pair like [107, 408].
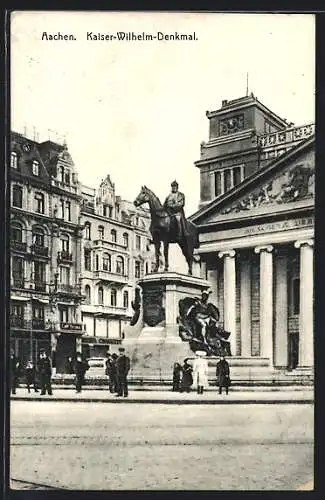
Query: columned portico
[306, 318]
[266, 301]
[230, 295]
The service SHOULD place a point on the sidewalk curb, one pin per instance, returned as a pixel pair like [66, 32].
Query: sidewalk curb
[168, 401]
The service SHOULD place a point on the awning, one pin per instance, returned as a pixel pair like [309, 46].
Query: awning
[20, 299]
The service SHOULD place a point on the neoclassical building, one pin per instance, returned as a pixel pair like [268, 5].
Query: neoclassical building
[256, 221]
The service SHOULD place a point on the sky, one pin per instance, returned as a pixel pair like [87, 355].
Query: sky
[137, 110]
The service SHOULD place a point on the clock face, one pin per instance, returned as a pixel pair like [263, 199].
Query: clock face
[230, 125]
[26, 147]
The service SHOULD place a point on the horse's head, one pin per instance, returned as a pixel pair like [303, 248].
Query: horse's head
[143, 197]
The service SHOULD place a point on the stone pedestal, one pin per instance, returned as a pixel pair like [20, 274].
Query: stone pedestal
[154, 344]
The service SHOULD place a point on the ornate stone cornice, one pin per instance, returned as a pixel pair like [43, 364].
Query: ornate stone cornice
[227, 253]
[301, 243]
[264, 248]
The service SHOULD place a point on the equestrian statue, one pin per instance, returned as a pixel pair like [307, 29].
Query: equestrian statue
[169, 225]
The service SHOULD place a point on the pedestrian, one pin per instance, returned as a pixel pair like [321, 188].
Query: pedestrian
[30, 373]
[223, 374]
[80, 368]
[70, 367]
[177, 376]
[14, 371]
[200, 371]
[111, 372]
[113, 376]
[122, 370]
[187, 379]
[45, 372]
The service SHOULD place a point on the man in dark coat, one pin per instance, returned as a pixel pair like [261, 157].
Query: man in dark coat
[111, 371]
[223, 375]
[80, 368]
[177, 377]
[14, 371]
[122, 370]
[45, 372]
[187, 380]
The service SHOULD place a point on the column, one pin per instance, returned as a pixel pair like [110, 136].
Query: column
[281, 312]
[306, 313]
[171, 309]
[229, 273]
[196, 266]
[245, 308]
[203, 269]
[266, 301]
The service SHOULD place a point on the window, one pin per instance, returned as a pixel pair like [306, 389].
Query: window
[126, 299]
[67, 178]
[110, 211]
[38, 312]
[87, 231]
[62, 208]
[295, 296]
[65, 243]
[39, 203]
[137, 269]
[87, 259]
[119, 265]
[64, 314]
[138, 242]
[39, 271]
[100, 296]
[62, 174]
[18, 268]
[87, 294]
[147, 268]
[97, 263]
[17, 196]
[227, 174]
[113, 235]
[68, 208]
[106, 262]
[38, 237]
[237, 176]
[35, 167]
[101, 232]
[113, 297]
[14, 160]
[16, 232]
[126, 240]
[105, 210]
[217, 182]
[17, 310]
[64, 275]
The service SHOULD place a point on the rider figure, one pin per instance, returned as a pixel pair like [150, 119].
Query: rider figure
[174, 205]
[205, 313]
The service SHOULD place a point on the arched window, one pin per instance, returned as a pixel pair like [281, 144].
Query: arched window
[87, 294]
[126, 240]
[35, 167]
[137, 269]
[14, 160]
[87, 231]
[62, 174]
[16, 232]
[101, 232]
[17, 196]
[126, 299]
[65, 244]
[106, 262]
[113, 297]
[113, 235]
[119, 265]
[87, 261]
[39, 203]
[38, 237]
[100, 296]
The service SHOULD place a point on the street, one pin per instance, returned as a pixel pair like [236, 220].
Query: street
[100, 446]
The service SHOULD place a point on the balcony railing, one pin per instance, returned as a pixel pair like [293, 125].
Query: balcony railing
[18, 283]
[69, 289]
[38, 250]
[64, 256]
[76, 327]
[39, 286]
[287, 136]
[19, 246]
[27, 324]
[111, 277]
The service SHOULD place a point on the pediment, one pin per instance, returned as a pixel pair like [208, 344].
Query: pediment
[280, 186]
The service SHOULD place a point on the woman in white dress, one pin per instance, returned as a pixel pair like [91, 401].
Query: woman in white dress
[200, 371]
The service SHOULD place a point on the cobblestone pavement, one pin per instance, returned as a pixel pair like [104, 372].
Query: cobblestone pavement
[162, 447]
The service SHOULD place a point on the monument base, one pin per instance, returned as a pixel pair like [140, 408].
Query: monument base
[154, 344]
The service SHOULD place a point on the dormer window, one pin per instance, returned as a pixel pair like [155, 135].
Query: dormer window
[14, 160]
[35, 167]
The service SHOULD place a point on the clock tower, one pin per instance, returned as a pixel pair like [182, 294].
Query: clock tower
[232, 151]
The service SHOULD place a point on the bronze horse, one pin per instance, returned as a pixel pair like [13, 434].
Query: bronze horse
[163, 229]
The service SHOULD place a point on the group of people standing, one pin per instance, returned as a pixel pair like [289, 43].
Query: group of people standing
[117, 369]
[36, 378]
[186, 375]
